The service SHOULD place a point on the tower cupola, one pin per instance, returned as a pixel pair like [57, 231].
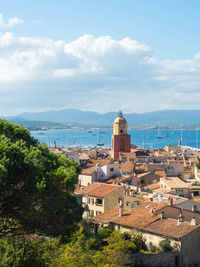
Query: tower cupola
[120, 125]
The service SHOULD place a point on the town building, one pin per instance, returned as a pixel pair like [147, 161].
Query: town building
[157, 221]
[98, 198]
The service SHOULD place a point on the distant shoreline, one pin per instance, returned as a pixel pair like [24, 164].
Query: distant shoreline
[110, 128]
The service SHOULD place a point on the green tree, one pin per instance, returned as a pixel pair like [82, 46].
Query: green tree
[197, 165]
[165, 245]
[117, 253]
[79, 252]
[36, 186]
[20, 252]
[84, 251]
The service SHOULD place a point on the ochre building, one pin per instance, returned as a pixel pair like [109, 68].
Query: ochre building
[120, 138]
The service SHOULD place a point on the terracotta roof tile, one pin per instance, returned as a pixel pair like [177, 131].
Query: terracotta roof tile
[141, 217]
[153, 186]
[160, 173]
[117, 180]
[83, 156]
[101, 162]
[174, 182]
[88, 171]
[137, 217]
[97, 189]
[170, 227]
[127, 167]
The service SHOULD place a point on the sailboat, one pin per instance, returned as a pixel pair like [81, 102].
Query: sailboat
[100, 143]
[159, 136]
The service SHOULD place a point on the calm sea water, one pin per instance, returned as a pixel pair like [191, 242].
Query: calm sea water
[141, 138]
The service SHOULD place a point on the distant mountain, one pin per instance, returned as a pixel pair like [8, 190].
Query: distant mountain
[32, 124]
[91, 118]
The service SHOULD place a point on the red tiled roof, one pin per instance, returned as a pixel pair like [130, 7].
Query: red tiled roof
[137, 217]
[141, 217]
[160, 173]
[88, 171]
[170, 227]
[153, 186]
[117, 180]
[97, 189]
[101, 162]
[127, 167]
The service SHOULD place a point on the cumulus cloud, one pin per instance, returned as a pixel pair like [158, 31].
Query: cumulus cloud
[11, 22]
[90, 73]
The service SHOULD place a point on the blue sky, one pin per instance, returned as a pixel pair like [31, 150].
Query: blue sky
[138, 56]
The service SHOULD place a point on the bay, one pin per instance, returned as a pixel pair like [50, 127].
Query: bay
[147, 138]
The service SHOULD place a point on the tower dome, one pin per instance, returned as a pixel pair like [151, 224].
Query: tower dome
[120, 125]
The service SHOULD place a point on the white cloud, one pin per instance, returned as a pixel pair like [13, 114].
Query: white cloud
[91, 73]
[11, 22]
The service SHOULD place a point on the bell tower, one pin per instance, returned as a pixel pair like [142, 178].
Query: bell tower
[120, 138]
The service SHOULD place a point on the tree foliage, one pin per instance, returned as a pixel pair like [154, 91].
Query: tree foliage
[83, 251]
[21, 252]
[165, 245]
[117, 253]
[36, 186]
[79, 252]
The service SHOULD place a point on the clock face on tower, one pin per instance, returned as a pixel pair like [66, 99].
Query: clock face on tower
[121, 125]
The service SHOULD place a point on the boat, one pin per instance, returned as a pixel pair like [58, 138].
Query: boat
[89, 131]
[159, 136]
[100, 144]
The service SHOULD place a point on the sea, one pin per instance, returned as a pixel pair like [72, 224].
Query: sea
[144, 138]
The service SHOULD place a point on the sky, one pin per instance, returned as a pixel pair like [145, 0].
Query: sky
[99, 55]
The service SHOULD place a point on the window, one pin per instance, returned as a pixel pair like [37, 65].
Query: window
[111, 169]
[132, 205]
[91, 201]
[91, 213]
[98, 212]
[99, 202]
[142, 181]
[127, 204]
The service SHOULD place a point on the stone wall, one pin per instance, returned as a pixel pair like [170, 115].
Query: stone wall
[167, 259]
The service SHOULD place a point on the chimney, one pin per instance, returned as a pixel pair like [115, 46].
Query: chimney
[120, 208]
[180, 217]
[194, 208]
[153, 211]
[162, 215]
[171, 201]
[193, 222]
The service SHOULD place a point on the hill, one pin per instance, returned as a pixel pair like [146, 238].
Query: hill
[90, 118]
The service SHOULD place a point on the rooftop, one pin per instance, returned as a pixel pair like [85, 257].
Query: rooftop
[127, 167]
[118, 180]
[88, 171]
[170, 227]
[173, 182]
[147, 217]
[97, 189]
